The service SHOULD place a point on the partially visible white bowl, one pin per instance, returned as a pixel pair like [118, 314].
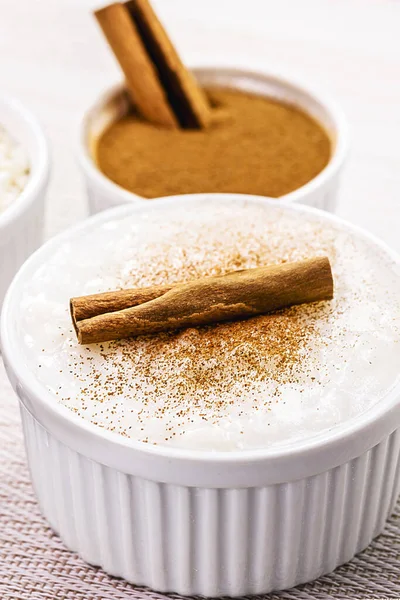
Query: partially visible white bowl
[21, 224]
[320, 192]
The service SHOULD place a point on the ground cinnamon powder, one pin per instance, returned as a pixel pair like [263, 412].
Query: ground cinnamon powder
[255, 145]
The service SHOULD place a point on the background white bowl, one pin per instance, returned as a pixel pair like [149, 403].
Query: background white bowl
[209, 523]
[21, 224]
[320, 192]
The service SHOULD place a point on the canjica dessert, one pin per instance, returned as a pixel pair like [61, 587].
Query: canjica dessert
[14, 169]
[264, 382]
[180, 138]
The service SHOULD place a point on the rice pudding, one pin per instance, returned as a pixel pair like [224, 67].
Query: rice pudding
[14, 169]
[265, 382]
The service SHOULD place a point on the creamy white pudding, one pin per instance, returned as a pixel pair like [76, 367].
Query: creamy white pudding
[263, 382]
[14, 169]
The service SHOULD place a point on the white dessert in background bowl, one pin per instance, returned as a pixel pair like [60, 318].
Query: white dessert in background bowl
[24, 173]
[232, 459]
[14, 169]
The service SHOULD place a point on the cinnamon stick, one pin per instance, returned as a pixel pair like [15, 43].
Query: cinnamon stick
[143, 84]
[161, 87]
[207, 300]
[187, 99]
[86, 307]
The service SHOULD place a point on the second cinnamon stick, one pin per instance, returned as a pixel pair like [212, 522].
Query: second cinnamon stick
[143, 84]
[208, 300]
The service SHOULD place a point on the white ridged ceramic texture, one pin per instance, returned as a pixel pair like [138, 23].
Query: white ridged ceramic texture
[321, 192]
[21, 224]
[23, 239]
[212, 541]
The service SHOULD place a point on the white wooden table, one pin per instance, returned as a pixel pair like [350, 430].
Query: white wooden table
[54, 58]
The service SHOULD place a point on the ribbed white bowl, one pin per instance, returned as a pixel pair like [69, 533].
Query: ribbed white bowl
[207, 523]
[212, 541]
[21, 225]
[321, 192]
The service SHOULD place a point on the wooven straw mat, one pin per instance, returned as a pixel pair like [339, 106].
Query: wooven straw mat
[35, 565]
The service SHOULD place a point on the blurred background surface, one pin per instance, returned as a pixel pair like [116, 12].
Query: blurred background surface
[55, 59]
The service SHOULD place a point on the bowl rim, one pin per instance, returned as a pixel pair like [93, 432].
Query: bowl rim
[283, 78]
[357, 434]
[39, 172]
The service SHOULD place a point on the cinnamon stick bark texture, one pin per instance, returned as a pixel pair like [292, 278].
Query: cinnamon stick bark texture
[144, 86]
[187, 99]
[208, 300]
[86, 307]
[164, 91]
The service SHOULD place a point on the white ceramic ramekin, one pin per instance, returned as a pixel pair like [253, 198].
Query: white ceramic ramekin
[208, 523]
[320, 192]
[21, 224]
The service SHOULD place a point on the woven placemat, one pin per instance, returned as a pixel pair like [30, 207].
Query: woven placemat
[35, 565]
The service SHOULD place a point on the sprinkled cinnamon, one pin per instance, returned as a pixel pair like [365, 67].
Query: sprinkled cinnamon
[202, 386]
